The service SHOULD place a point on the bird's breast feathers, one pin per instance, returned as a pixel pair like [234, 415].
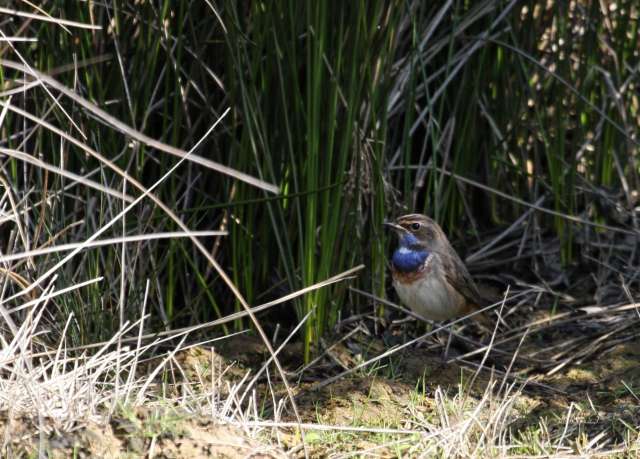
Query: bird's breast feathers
[427, 292]
[409, 274]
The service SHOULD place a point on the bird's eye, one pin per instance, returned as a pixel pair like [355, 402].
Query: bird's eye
[415, 226]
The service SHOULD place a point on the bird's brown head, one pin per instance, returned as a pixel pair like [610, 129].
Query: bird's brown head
[419, 231]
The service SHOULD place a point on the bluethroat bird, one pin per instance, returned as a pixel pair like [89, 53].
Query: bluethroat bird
[428, 275]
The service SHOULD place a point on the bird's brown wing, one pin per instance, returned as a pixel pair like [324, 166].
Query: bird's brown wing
[459, 278]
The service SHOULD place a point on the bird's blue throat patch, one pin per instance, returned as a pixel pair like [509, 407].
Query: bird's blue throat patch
[409, 256]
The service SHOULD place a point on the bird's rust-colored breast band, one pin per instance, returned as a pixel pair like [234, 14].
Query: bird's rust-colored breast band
[412, 276]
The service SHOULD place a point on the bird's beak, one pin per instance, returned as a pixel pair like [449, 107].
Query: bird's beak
[394, 226]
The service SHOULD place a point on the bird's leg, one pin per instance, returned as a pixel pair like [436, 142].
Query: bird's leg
[445, 354]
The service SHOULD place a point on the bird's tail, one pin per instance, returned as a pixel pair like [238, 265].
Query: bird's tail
[481, 318]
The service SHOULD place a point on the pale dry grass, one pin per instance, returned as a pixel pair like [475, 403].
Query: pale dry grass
[57, 387]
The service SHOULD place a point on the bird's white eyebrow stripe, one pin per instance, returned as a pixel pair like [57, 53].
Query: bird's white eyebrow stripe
[404, 250]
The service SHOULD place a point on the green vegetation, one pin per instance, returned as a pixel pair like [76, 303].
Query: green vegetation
[355, 112]
[514, 124]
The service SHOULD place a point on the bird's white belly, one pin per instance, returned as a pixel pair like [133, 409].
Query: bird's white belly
[430, 298]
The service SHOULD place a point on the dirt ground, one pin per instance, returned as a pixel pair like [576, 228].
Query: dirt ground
[171, 435]
[405, 391]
